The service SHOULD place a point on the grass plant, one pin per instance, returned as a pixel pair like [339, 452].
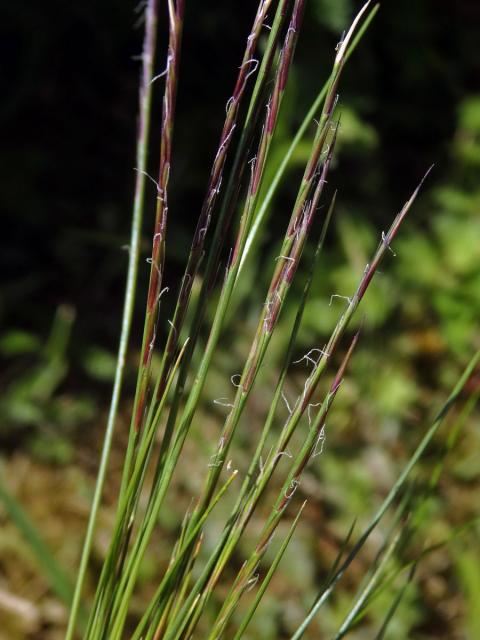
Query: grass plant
[168, 399]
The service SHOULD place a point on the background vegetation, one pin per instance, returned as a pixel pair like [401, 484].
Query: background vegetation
[409, 98]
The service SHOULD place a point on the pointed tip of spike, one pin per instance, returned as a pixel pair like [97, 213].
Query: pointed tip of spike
[425, 176]
[428, 171]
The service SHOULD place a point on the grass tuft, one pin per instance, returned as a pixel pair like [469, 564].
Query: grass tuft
[168, 399]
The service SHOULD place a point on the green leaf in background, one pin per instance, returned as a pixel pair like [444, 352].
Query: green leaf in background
[99, 363]
[17, 343]
[357, 135]
[334, 14]
[467, 141]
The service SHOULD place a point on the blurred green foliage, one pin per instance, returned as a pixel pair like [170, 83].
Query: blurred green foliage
[32, 403]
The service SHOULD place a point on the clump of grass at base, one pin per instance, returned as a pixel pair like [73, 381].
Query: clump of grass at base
[167, 402]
